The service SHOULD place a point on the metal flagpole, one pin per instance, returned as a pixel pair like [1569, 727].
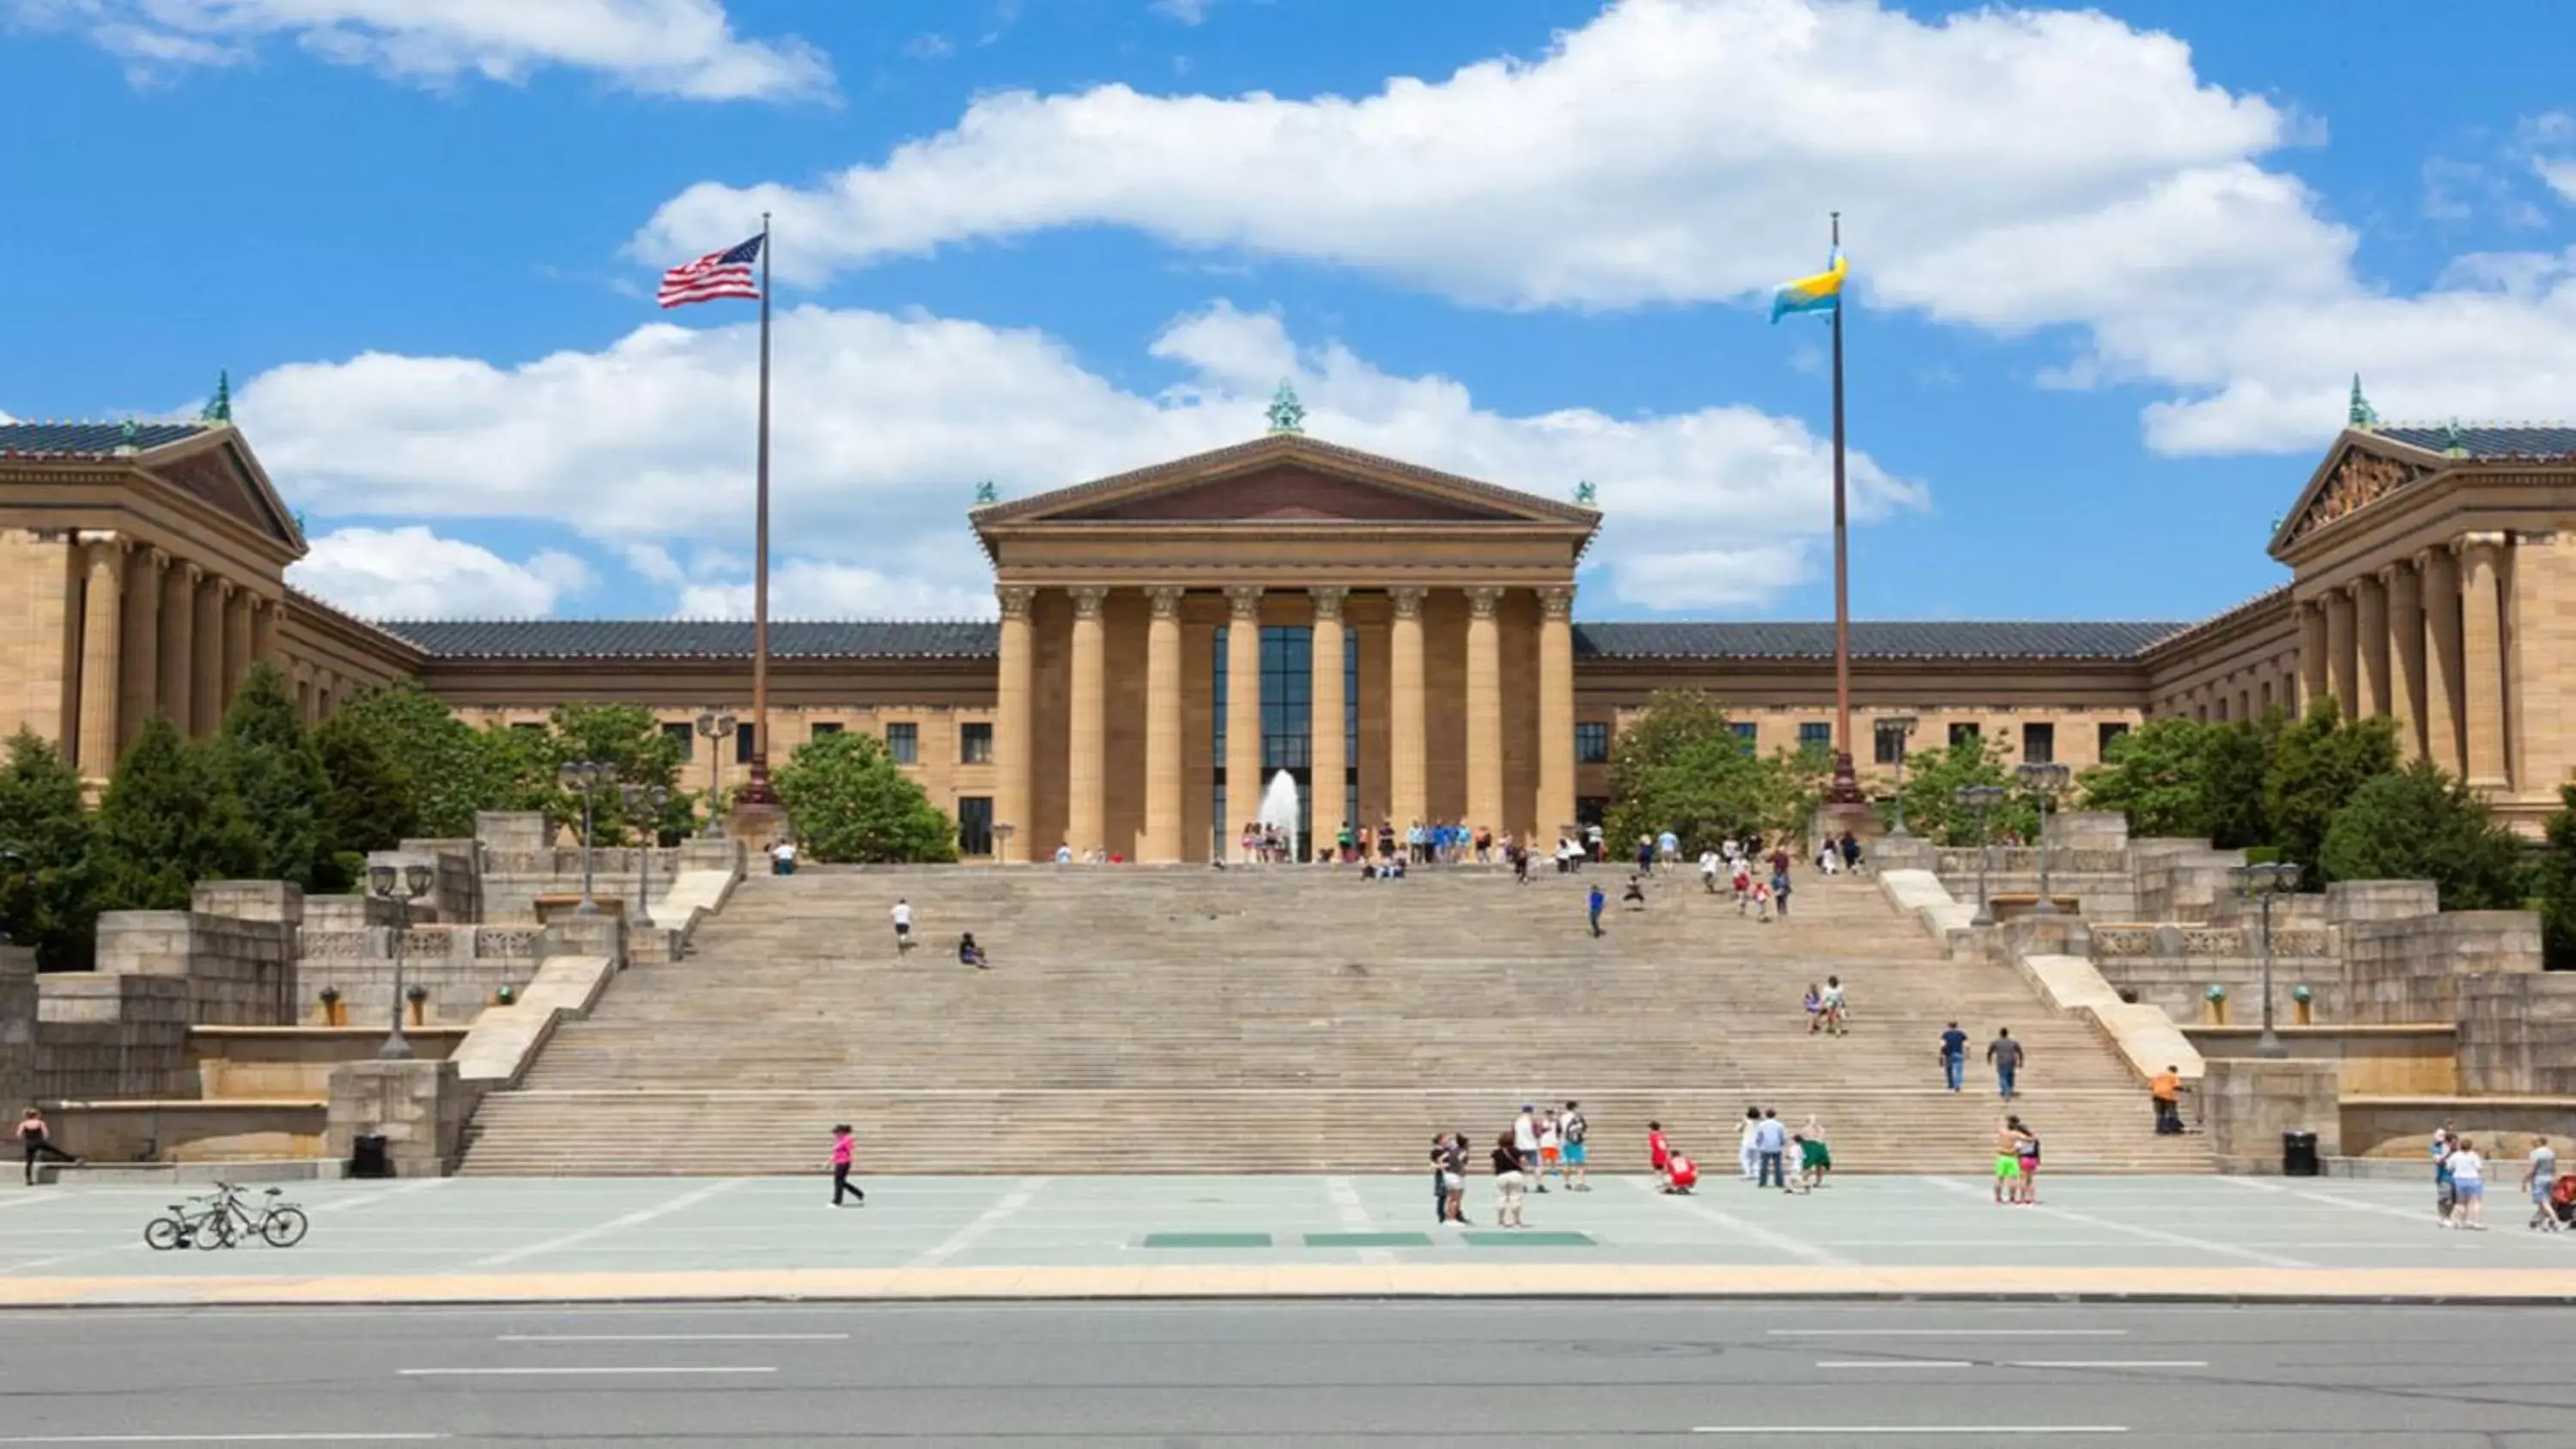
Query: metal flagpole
[756, 791]
[1846, 785]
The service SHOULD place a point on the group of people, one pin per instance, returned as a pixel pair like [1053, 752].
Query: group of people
[968, 952]
[2016, 1163]
[1761, 887]
[2460, 1184]
[1828, 1013]
[2005, 1054]
[1536, 1146]
[1768, 1154]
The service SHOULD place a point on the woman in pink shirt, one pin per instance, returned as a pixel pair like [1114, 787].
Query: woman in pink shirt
[842, 1151]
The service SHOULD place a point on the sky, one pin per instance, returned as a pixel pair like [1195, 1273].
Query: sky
[2114, 271]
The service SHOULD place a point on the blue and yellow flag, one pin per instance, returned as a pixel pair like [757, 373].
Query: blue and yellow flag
[1822, 292]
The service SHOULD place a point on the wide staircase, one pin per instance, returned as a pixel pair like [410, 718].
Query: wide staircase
[1287, 1019]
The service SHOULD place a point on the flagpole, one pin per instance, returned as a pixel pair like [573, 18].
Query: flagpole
[1846, 785]
[757, 791]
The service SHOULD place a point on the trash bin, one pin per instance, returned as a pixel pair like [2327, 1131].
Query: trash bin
[2299, 1155]
[367, 1156]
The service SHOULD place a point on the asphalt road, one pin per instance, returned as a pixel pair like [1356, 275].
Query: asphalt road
[1536, 1373]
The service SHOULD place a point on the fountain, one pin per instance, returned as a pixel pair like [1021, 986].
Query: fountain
[1279, 809]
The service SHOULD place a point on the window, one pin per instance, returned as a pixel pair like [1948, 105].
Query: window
[903, 743]
[824, 727]
[1963, 733]
[2105, 735]
[1889, 743]
[742, 744]
[974, 825]
[684, 739]
[1815, 736]
[1747, 733]
[526, 727]
[2267, 696]
[1591, 743]
[2039, 742]
[975, 743]
[1591, 809]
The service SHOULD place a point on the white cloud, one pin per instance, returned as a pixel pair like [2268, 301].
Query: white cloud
[2010, 170]
[684, 48]
[884, 425]
[1188, 12]
[413, 573]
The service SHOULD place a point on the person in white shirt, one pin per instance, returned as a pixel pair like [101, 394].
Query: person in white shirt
[2538, 1176]
[1525, 1141]
[1748, 1157]
[1064, 853]
[782, 858]
[902, 914]
[2468, 1182]
[1708, 871]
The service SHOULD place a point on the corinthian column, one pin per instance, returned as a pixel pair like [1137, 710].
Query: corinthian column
[1406, 746]
[102, 669]
[1329, 808]
[1011, 725]
[2438, 577]
[2482, 657]
[1162, 840]
[2405, 656]
[1242, 711]
[2370, 641]
[206, 686]
[1087, 771]
[142, 642]
[1484, 709]
[1555, 711]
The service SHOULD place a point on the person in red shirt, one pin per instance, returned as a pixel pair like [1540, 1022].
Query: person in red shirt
[1659, 1153]
[842, 1152]
[1680, 1174]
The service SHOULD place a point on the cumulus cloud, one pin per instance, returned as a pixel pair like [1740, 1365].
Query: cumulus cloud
[684, 48]
[413, 573]
[885, 424]
[2009, 170]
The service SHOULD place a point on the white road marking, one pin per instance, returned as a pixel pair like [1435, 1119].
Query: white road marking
[2416, 1217]
[637, 1218]
[991, 1218]
[343, 1204]
[1355, 1216]
[1949, 1333]
[671, 1338]
[1910, 1429]
[2152, 1235]
[1894, 1363]
[525, 1372]
[2107, 1363]
[1780, 1242]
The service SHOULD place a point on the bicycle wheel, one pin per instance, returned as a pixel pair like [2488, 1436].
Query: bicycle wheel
[284, 1228]
[217, 1232]
[162, 1234]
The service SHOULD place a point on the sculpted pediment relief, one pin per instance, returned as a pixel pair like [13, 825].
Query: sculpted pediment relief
[2359, 480]
[1289, 492]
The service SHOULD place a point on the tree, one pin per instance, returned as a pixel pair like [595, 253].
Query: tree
[265, 759]
[849, 802]
[2421, 824]
[2316, 766]
[1933, 777]
[628, 737]
[2554, 881]
[371, 805]
[45, 824]
[1680, 766]
[166, 823]
[2156, 776]
[2236, 760]
[451, 769]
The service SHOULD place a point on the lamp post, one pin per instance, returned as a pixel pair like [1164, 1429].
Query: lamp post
[2043, 780]
[1980, 798]
[2262, 883]
[1903, 727]
[585, 777]
[1003, 830]
[401, 886]
[644, 805]
[716, 728]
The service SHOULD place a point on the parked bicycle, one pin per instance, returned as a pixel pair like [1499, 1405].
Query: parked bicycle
[197, 1223]
[221, 1219]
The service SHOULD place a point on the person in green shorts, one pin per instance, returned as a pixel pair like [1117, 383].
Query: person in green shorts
[1815, 1159]
[2007, 1163]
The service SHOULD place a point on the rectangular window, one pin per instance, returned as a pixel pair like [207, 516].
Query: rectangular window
[974, 825]
[903, 743]
[1747, 734]
[2104, 735]
[975, 743]
[684, 739]
[1888, 743]
[1964, 732]
[1815, 736]
[742, 743]
[1591, 809]
[2038, 743]
[824, 727]
[1591, 743]
[2267, 696]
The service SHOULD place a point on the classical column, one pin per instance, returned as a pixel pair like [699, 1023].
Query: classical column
[1087, 764]
[1162, 840]
[2341, 659]
[1555, 713]
[1407, 768]
[2314, 683]
[1484, 710]
[2370, 641]
[206, 684]
[142, 642]
[1012, 724]
[264, 622]
[102, 668]
[1243, 782]
[179, 643]
[237, 608]
[2405, 656]
[2438, 578]
[2482, 657]
[1331, 789]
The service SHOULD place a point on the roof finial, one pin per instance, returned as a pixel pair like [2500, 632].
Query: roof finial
[2361, 414]
[1585, 495]
[220, 410]
[125, 438]
[2455, 444]
[986, 494]
[1286, 414]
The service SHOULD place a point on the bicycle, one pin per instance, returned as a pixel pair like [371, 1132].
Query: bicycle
[199, 1222]
[280, 1224]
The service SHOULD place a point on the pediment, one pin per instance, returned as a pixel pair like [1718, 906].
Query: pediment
[1286, 491]
[220, 473]
[2353, 478]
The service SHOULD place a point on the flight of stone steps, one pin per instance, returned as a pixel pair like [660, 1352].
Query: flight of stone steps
[1290, 1019]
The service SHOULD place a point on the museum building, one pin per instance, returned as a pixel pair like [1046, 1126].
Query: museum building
[1401, 641]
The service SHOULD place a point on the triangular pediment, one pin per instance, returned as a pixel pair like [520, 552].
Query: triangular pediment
[217, 470]
[2359, 471]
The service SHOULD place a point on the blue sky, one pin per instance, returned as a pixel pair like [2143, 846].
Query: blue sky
[2115, 270]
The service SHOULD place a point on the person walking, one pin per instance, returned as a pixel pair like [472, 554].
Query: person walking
[1511, 1177]
[2539, 1175]
[37, 1143]
[1742, 879]
[1440, 1178]
[844, 1148]
[2165, 1090]
[1551, 1152]
[1659, 1151]
[1770, 1141]
[1748, 1157]
[1708, 863]
[1525, 1142]
[1593, 902]
[2006, 1054]
[902, 914]
[1574, 1129]
[1780, 884]
[2468, 1186]
[1954, 1055]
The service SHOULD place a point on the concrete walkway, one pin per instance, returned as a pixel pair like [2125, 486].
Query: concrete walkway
[453, 1240]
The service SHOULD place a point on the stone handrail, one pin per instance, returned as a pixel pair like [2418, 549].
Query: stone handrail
[422, 943]
[2236, 942]
[504, 1040]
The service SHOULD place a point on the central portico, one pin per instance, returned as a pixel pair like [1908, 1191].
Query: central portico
[1398, 639]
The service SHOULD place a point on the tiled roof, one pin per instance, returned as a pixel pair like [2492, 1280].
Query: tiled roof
[1869, 640]
[2491, 440]
[694, 639]
[90, 438]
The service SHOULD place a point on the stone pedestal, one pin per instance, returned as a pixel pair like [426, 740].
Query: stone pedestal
[418, 1107]
[2247, 1103]
[757, 824]
[1860, 818]
[17, 1028]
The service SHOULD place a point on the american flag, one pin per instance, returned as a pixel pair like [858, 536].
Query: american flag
[717, 274]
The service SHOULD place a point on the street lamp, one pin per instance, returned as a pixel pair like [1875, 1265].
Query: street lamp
[2043, 780]
[716, 729]
[401, 886]
[584, 777]
[1902, 725]
[644, 805]
[2262, 883]
[1980, 798]
[1002, 832]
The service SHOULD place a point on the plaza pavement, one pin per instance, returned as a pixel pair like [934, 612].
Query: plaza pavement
[716, 1239]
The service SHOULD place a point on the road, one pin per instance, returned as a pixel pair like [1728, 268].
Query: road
[1229, 1374]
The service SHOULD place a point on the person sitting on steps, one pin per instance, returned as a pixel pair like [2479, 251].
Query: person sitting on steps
[970, 954]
